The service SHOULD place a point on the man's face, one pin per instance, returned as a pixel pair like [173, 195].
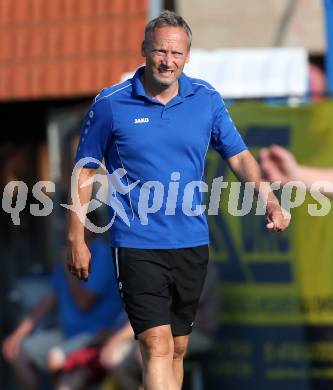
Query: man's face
[166, 54]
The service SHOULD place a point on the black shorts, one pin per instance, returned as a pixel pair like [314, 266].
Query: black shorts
[161, 286]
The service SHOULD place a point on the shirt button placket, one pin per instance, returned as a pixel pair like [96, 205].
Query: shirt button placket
[164, 113]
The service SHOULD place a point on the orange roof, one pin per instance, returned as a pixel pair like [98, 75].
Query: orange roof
[67, 48]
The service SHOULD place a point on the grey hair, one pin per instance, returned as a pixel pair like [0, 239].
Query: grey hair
[168, 18]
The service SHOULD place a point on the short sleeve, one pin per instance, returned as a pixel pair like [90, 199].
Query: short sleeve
[95, 134]
[225, 137]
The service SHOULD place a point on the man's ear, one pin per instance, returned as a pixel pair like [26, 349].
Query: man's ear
[143, 49]
[188, 57]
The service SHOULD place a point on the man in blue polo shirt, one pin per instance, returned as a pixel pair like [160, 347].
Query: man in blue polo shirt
[153, 131]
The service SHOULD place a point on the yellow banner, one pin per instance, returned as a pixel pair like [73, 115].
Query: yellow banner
[276, 279]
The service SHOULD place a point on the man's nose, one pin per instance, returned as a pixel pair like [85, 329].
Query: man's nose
[167, 59]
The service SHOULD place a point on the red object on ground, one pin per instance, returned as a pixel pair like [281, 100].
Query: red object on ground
[87, 357]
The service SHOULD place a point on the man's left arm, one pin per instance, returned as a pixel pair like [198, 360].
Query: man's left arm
[246, 168]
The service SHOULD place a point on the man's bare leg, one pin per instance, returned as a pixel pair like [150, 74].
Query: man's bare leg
[180, 346]
[157, 350]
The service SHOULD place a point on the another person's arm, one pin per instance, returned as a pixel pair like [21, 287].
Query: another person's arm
[13, 342]
[278, 164]
[83, 297]
[246, 168]
[86, 295]
[111, 351]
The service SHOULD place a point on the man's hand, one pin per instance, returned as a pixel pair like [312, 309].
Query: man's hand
[278, 164]
[246, 168]
[79, 261]
[278, 219]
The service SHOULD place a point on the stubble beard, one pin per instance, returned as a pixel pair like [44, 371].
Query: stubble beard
[164, 84]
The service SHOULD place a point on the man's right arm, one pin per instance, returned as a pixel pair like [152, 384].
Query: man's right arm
[95, 136]
[79, 261]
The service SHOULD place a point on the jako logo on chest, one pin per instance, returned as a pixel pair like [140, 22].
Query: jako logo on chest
[141, 120]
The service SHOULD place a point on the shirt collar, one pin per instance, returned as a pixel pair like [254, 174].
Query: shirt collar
[185, 85]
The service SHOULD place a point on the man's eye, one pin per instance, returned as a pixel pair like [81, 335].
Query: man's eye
[178, 55]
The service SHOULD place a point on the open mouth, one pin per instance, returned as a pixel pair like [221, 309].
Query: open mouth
[165, 72]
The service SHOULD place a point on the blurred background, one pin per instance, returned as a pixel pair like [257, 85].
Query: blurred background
[272, 61]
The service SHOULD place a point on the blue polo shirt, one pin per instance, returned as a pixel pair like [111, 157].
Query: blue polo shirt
[163, 147]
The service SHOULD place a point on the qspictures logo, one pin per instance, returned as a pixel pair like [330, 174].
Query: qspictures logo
[157, 197]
